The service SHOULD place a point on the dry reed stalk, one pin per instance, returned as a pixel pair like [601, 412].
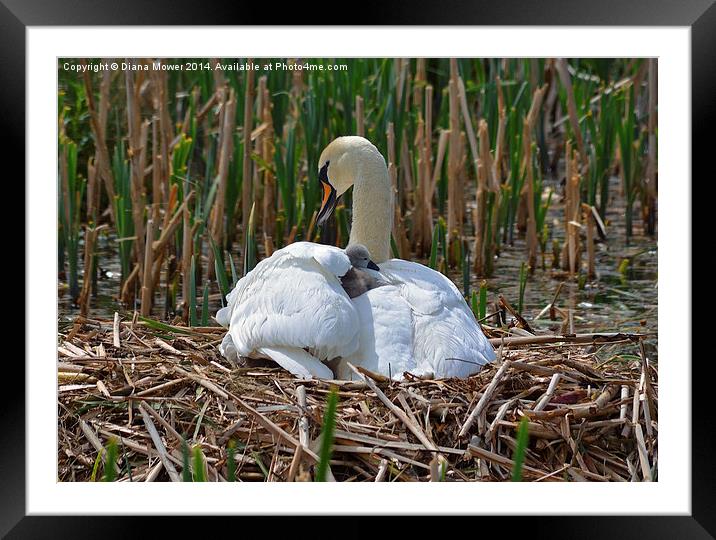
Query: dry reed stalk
[589, 225]
[573, 225]
[156, 171]
[523, 213]
[92, 193]
[468, 122]
[423, 221]
[406, 186]
[566, 80]
[480, 222]
[530, 196]
[127, 292]
[419, 82]
[500, 146]
[492, 184]
[98, 126]
[462, 182]
[258, 137]
[186, 253]
[360, 120]
[437, 167]
[651, 177]
[166, 133]
[171, 223]
[226, 151]
[246, 195]
[398, 225]
[134, 150]
[267, 151]
[484, 400]
[453, 226]
[147, 277]
[89, 257]
[416, 231]
[572, 205]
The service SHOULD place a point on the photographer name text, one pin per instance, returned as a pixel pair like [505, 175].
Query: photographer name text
[201, 66]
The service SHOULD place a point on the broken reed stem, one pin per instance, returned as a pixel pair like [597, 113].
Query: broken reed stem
[89, 257]
[246, 195]
[427, 186]
[136, 139]
[529, 193]
[398, 226]
[467, 121]
[480, 221]
[97, 124]
[156, 171]
[166, 132]
[360, 120]
[589, 224]
[169, 228]
[186, 252]
[484, 400]
[226, 145]
[267, 150]
[605, 337]
[572, 204]
[454, 225]
[651, 169]
[566, 80]
[148, 265]
[258, 136]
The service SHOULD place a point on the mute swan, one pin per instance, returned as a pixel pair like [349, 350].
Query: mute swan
[358, 280]
[291, 306]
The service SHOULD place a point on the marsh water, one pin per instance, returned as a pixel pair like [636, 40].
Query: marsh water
[622, 297]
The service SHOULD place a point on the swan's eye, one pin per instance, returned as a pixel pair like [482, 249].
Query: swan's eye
[323, 172]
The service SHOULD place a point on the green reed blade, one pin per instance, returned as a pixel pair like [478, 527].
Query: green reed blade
[329, 423]
[519, 456]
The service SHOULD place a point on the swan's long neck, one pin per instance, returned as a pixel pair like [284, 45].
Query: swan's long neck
[373, 208]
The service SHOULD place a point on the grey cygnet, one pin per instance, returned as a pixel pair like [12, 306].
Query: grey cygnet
[357, 280]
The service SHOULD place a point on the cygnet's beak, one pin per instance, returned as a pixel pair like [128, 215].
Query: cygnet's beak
[373, 266]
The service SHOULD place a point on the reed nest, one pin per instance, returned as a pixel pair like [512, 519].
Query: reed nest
[591, 402]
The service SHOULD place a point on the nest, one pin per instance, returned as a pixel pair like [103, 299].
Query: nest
[590, 405]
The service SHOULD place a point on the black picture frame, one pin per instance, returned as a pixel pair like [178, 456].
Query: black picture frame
[699, 15]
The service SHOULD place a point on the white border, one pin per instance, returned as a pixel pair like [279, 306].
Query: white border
[671, 494]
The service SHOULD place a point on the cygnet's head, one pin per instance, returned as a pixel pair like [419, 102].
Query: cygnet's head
[359, 256]
[340, 164]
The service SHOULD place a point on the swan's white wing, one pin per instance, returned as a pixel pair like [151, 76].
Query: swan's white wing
[386, 334]
[292, 300]
[447, 340]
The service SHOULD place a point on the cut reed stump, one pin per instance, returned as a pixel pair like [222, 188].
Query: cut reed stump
[591, 402]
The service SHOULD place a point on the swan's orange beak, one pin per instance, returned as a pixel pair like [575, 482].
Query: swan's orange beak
[328, 203]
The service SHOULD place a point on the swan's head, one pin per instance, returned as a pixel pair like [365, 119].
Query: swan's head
[359, 256]
[341, 163]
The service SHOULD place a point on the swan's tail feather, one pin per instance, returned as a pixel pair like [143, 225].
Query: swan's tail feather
[297, 361]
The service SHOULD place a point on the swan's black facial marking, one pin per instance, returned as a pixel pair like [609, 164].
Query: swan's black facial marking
[329, 200]
[323, 173]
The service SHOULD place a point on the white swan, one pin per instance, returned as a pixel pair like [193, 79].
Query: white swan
[291, 306]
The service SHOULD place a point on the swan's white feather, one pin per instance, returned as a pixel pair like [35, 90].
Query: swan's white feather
[289, 302]
[420, 323]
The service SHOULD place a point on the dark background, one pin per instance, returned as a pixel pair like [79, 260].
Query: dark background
[700, 15]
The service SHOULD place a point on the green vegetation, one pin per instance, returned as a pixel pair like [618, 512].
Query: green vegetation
[179, 151]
